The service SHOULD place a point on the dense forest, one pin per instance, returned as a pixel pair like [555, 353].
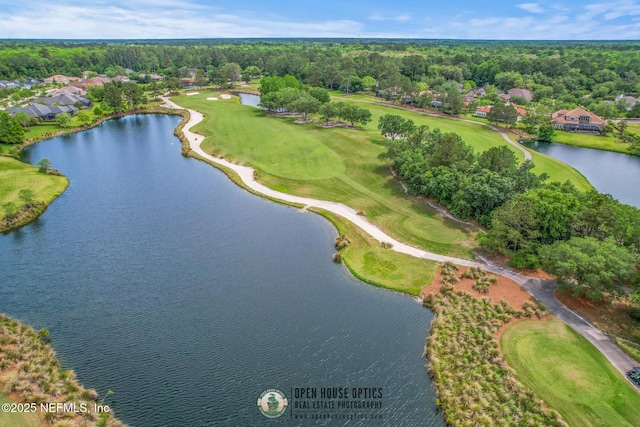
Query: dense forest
[563, 74]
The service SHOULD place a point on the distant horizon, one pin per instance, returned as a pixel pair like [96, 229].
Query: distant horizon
[500, 20]
[294, 38]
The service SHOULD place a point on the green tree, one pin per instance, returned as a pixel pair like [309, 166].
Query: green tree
[270, 84]
[327, 111]
[84, 118]
[501, 113]
[590, 267]
[451, 98]
[63, 119]
[24, 119]
[232, 72]
[393, 126]
[499, 159]
[113, 97]
[44, 164]
[134, 94]
[306, 105]
[368, 83]
[252, 71]
[354, 114]
[320, 94]
[11, 132]
[546, 132]
[98, 111]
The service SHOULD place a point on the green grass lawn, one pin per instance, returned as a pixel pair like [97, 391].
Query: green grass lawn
[330, 164]
[10, 419]
[570, 374]
[481, 138]
[608, 143]
[16, 175]
[368, 261]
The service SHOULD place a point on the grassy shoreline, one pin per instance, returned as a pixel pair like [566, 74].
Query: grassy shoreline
[29, 212]
[17, 177]
[31, 373]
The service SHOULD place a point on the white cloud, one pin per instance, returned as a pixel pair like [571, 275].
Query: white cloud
[59, 22]
[398, 18]
[531, 7]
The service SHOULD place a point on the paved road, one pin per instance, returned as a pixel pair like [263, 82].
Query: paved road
[541, 290]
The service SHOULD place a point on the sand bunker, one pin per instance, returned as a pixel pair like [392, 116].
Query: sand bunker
[212, 98]
[225, 96]
[192, 93]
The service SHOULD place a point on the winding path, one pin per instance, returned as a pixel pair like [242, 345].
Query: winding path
[541, 290]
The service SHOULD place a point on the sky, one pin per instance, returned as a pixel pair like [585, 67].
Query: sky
[426, 19]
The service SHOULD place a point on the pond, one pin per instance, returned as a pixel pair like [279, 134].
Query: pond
[617, 174]
[188, 297]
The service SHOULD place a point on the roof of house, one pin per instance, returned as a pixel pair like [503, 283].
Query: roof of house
[61, 99]
[519, 110]
[59, 78]
[562, 117]
[40, 110]
[65, 90]
[521, 92]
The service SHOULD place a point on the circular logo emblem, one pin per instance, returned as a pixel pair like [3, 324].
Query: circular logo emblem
[272, 403]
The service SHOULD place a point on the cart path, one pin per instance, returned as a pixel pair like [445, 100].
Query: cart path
[542, 290]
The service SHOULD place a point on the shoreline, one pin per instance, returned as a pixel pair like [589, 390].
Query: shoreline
[541, 290]
[33, 212]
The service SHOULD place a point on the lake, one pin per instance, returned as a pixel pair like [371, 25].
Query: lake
[161, 280]
[617, 174]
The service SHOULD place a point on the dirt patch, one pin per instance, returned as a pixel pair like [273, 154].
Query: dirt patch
[305, 121]
[503, 290]
[333, 124]
[288, 115]
[611, 318]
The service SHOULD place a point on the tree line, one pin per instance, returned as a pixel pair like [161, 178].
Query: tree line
[589, 240]
[571, 73]
[286, 94]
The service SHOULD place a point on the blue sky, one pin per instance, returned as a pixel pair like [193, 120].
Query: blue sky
[499, 20]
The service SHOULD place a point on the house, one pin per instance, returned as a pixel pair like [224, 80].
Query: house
[69, 90]
[6, 84]
[59, 78]
[576, 120]
[527, 95]
[629, 101]
[63, 99]
[482, 112]
[44, 112]
[123, 79]
[152, 76]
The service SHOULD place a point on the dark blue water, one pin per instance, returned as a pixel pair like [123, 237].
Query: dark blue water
[610, 173]
[161, 280]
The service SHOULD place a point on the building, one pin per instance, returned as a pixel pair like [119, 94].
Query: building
[44, 112]
[483, 111]
[577, 120]
[63, 99]
[527, 95]
[59, 78]
[629, 101]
